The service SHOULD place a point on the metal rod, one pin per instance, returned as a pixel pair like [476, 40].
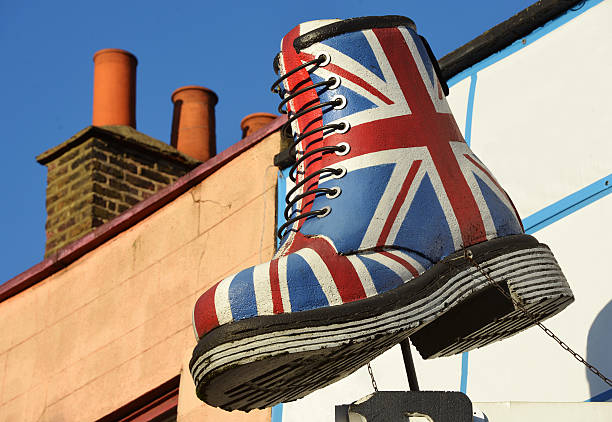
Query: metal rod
[409, 364]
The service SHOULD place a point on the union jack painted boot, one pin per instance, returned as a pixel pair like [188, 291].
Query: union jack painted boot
[391, 225]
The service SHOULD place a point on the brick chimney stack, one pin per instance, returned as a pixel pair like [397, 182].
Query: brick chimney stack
[109, 167]
[114, 96]
[193, 123]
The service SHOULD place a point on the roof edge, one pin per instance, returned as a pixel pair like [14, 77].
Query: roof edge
[117, 133]
[503, 35]
[129, 218]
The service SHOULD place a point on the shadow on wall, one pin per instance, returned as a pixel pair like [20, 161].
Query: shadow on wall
[598, 354]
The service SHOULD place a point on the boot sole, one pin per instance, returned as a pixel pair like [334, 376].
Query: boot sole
[265, 360]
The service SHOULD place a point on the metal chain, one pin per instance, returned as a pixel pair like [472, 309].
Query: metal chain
[470, 257]
[372, 377]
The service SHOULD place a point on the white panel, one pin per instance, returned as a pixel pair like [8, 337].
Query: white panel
[531, 366]
[539, 412]
[458, 100]
[542, 115]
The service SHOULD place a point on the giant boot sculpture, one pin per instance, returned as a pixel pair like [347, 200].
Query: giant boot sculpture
[390, 216]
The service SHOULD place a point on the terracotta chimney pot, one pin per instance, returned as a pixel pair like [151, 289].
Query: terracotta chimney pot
[193, 123]
[254, 122]
[114, 98]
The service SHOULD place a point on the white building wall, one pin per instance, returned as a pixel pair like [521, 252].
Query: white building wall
[540, 122]
[547, 107]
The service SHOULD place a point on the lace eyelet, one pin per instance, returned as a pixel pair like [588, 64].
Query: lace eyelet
[336, 194]
[325, 213]
[341, 174]
[337, 82]
[346, 127]
[326, 58]
[347, 148]
[342, 99]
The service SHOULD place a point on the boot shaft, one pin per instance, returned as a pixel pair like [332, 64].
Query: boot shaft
[402, 175]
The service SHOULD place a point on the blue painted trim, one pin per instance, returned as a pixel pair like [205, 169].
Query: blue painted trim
[470, 109]
[518, 44]
[281, 191]
[605, 396]
[464, 372]
[277, 411]
[568, 205]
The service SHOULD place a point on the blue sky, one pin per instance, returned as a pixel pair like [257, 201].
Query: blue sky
[46, 74]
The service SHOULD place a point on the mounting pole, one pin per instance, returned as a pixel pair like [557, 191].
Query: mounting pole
[409, 365]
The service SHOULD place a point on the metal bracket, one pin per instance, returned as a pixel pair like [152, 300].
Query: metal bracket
[397, 406]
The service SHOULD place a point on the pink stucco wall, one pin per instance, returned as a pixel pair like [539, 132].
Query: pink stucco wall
[116, 323]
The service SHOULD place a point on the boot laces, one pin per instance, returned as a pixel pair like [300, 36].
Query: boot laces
[337, 102]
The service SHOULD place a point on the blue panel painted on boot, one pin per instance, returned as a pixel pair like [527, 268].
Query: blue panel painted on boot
[356, 46]
[503, 217]
[425, 228]
[351, 212]
[354, 104]
[305, 292]
[242, 295]
[384, 279]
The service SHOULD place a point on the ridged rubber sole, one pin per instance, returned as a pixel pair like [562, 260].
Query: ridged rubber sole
[451, 308]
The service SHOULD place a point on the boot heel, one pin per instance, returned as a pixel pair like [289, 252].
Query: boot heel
[528, 274]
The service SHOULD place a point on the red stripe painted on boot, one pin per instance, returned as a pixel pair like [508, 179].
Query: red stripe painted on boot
[345, 277]
[277, 300]
[312, 120]
[204, 313]
[402, 262]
